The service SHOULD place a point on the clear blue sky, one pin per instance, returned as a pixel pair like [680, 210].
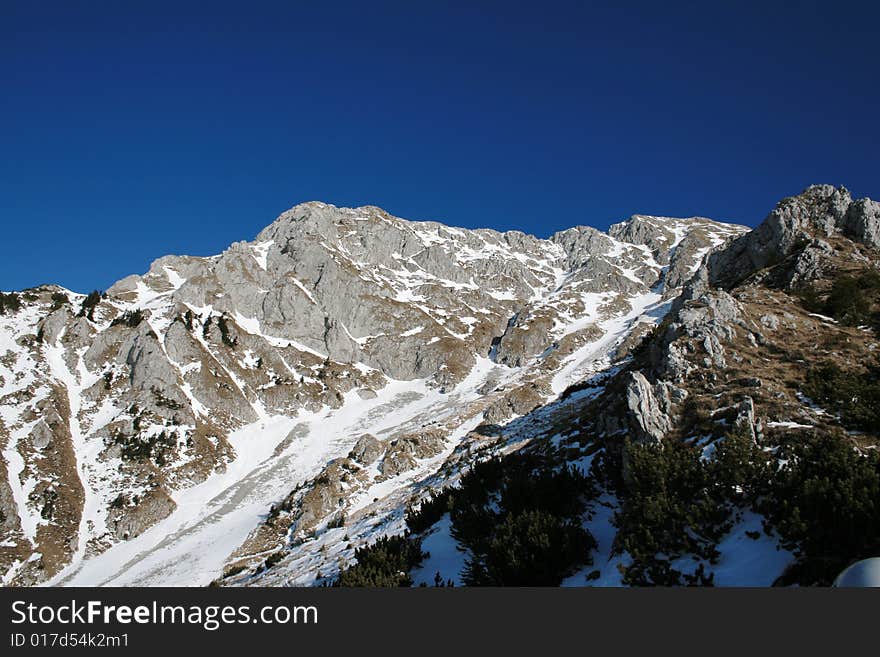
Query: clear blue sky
[129, 130]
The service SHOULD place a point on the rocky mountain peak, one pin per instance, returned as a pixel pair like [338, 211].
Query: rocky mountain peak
[819, 213]
[279, 354]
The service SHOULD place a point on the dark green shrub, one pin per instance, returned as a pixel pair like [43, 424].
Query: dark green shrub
[825, 503]
[740, 471]
[848, 302]
[164, 402]
[87, 309]
[530, 548]
[522, 492]
[811, 299]
[853, 395]
[9, 301]
[273, 558]
[385, 563]
[130, 318]
[138, 448]
[58, 300]
[119, 502]
[850, 299]
[225, 334]
[675, 503]
[429, 512]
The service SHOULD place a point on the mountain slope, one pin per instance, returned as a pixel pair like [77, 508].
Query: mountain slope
[736, 446]
[147, 430]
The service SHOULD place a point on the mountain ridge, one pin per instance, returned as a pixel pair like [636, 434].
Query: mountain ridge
[344, 354]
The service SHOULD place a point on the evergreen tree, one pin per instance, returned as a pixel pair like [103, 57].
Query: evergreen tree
[9, 302]
[87, 309]
[385, 563]
[58, 300]
[530, 548]
[825, 502]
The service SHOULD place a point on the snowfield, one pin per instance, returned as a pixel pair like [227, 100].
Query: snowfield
[213, 518]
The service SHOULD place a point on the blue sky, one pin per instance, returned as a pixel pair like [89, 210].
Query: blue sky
[129, 130]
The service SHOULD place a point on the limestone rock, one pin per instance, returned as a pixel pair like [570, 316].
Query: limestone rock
[798, 223]
[518, 401]
[646, 409]
[366, 450]
[131, 515]
[862, 222]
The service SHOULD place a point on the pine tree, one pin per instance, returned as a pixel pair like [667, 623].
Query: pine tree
[88, 305]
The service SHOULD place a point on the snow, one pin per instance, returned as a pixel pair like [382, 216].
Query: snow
[482, 370]
[387, 487]
[145, 294]
[502, 295]
[194, 366]
[209, 517]
[748, 562]
[17, 375]
[604, 531]
[809, 403]
[30, 518]
[429, 236]
[252, 326]
[261, 253]
[572, 323]
[89, 467]
[189, 547]
[446, 556]
[250, 360]
[630, 273]
[303, 289]
[102, 416]
[743, 561]
[275, 453]
[174, 278]
[678, 228]
[789, 425]
[407, 296]
[366, 338]
[595, 356]
[253, 400]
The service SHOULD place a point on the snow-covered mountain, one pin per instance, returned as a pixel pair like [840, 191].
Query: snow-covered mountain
[258, 415]
[146, 431]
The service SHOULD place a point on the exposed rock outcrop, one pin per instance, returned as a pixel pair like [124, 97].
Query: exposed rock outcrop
[802, 222]
[648, 410]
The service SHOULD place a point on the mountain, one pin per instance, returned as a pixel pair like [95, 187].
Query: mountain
[263, 416]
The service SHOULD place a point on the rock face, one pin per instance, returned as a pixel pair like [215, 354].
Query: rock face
[746, 420]
[862, 222]
[366, 450]
[113, 407]
[820, 212]
[649, 411]
[694, 341]
[519, 401]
